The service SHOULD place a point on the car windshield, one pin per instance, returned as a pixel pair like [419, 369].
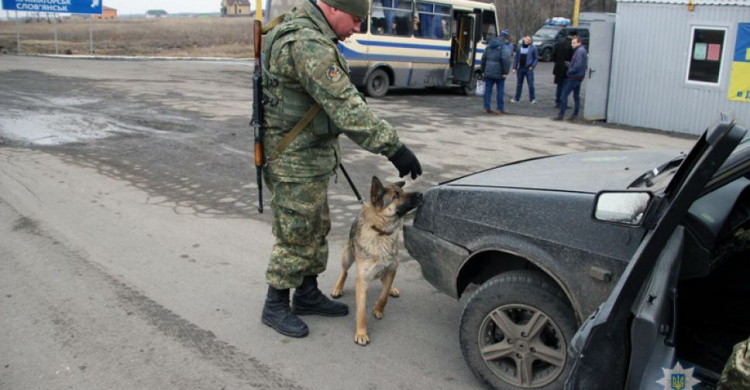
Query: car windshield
[546, 32]
[658, 178]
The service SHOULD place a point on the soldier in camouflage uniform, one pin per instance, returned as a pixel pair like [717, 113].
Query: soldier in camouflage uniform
[736, 375]
[302, 68]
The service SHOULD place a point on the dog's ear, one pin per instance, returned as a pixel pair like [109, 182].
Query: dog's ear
[376, 191]
[400, 184]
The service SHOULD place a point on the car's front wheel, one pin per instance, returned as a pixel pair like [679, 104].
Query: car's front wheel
[547, 55]
[515, 331]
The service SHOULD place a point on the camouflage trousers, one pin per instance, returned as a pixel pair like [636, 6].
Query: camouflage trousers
[301, 222]
[736, 375]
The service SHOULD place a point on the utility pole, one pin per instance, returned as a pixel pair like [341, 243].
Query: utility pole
[576, 11]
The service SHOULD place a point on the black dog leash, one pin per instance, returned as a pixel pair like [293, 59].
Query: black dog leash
[351, 184]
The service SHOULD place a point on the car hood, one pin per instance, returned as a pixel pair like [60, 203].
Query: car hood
[577, 172]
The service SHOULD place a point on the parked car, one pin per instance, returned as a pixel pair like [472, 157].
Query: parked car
[542, 257]
[544, 39]
[683, 298]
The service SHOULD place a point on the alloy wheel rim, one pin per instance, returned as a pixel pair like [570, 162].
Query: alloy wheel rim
[522, 345]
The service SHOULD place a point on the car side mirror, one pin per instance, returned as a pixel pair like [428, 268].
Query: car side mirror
[622, 207]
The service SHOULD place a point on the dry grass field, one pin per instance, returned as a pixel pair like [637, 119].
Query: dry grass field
[186, 37]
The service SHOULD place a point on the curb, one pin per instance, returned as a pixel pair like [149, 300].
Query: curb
[135, 58]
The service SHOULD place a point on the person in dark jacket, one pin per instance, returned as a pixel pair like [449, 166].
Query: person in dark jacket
[495, 67]
[576, 72]
[527, 57]
[562, 52]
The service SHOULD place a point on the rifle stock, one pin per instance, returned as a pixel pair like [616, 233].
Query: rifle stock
[257, 121]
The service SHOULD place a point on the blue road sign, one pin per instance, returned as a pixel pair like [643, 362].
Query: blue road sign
[65, 6]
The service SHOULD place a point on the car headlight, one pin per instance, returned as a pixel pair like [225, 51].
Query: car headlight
[537, 43]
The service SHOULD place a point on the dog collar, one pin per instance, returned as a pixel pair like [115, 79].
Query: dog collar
[381, 231]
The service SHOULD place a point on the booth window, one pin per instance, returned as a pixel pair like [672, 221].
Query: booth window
[706, 52]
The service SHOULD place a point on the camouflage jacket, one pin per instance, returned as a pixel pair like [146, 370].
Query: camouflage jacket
[302, 65]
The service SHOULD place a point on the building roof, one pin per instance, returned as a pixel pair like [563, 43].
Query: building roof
[239, 2]
[745, 3]
[108, 8]
[156, 12]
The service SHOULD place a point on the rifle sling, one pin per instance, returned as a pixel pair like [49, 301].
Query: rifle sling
[295, 132]
[273, 23]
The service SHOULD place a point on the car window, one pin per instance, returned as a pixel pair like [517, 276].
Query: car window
[546, 32]
[738, 164]
[659, 177]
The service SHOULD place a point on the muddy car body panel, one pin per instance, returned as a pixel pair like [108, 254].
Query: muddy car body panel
[538, 210]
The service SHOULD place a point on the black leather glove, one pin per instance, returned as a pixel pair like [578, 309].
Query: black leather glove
[406, 162]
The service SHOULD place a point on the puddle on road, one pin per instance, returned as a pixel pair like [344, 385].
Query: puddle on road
[60, 128]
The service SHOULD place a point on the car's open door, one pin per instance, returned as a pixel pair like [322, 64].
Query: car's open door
[601, 349]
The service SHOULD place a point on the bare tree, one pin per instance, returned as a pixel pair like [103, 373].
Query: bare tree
[520, 17]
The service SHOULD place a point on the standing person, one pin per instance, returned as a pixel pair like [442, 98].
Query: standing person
[304, 70]
[527, 57]
[576, 72]
[562, 53]
[505, 35]
[495, 67]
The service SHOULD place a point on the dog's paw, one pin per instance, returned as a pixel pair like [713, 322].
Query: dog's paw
[378, 314]
[361, 338]
[394, 292]
[336, 293]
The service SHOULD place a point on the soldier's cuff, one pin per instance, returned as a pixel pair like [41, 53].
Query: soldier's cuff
[389, 152]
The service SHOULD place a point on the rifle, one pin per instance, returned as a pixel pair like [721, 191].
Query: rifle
[257, 121]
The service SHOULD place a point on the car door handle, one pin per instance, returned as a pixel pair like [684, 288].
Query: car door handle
[591, 71]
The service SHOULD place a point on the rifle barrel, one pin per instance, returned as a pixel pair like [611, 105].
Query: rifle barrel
[258, 106]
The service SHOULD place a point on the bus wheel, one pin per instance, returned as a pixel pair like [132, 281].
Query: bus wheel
[470, 88]
[377, 83]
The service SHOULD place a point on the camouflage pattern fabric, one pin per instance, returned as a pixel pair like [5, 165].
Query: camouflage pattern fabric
[736, 374]
[301, 222]
[303, 66]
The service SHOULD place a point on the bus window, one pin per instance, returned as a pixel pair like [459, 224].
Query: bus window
[432, 21]
[363, 26]
[489, 29]
[392, 17]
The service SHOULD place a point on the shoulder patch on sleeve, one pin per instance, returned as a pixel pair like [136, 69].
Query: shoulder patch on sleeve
[333, 73]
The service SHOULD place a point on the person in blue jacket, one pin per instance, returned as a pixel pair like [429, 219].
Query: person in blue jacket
[495, 67]
[527, 57]
[576, 72]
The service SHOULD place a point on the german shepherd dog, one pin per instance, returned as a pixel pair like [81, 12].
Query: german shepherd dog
[373, 244]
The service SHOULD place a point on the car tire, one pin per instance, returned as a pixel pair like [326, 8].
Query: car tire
[547, 55]
[377, 83]
[494, 353]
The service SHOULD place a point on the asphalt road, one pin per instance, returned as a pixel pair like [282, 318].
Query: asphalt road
[132, 255]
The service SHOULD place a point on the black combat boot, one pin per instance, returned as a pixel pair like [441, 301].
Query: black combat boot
[278, 315]
[309, 300]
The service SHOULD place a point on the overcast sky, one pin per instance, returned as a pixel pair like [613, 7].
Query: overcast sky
[171, 6]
